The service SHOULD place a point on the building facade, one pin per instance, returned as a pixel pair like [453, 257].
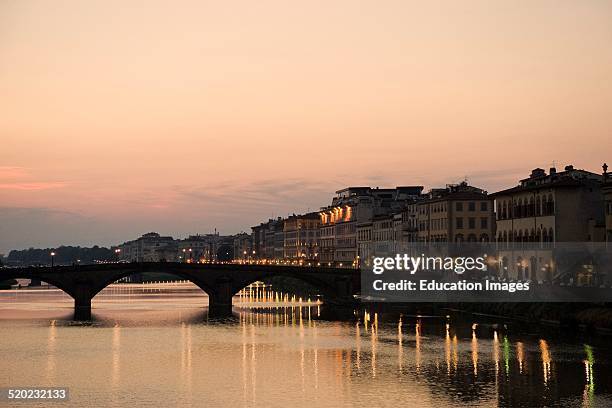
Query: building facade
[347, 228]
[383, 235]
[457, 213]
[199, 248]
[301, 237]
[607, 195]
[364, 243]
[243, 250]
[562, 206]
[150, 247]
[543, 210]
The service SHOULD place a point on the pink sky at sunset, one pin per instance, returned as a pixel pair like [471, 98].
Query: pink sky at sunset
[123, 117]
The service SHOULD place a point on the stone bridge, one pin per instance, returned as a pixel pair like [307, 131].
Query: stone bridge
[220, 281]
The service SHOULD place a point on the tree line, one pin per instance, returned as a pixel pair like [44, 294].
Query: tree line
[63, 255]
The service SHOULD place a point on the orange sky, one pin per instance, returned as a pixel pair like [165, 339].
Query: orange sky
[120, 117]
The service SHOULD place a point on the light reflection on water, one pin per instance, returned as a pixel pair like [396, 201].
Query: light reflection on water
[152, 345]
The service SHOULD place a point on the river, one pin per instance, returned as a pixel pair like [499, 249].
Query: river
[154, 345]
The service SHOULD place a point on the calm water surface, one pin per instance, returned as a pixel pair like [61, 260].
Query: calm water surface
[153, 345]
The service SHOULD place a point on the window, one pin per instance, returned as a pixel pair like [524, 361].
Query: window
[471, 222]
[471, 206]
[551, 235]
[459, 206]
[459, 222]
[484, 223]
[550, 205]
[484, 206]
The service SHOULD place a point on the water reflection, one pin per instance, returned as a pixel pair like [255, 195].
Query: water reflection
[116, 355]
[520, 355]
[374, 344]
[496, 353]
[455, 352]
[545, 361]
[589, 387]
[447, 349]
[358, 344]
[474, 349]
[279, 353]
[417, 346]
[186, 358]
[506, 345]
[400, 346]
[51, 352]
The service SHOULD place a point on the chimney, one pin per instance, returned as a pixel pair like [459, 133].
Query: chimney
[552, 171]
[569, 167]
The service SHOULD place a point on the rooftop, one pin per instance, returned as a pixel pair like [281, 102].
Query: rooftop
[569, 178]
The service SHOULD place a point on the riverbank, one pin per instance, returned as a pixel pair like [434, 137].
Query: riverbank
[583, 317]
[578, 316]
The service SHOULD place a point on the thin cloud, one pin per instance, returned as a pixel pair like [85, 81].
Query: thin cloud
[12, 172]
[23, 186]
[265, 193]
[20, 179]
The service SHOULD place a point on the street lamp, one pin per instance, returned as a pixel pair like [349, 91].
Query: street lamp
[117, 252]
[52, 259]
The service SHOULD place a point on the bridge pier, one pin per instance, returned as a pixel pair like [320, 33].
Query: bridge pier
[344, 288]
[82, 308]
[219, 308]
[220, 302]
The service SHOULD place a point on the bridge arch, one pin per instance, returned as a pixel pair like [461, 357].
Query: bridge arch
[58, 283]
[329, 289]
[185, 275]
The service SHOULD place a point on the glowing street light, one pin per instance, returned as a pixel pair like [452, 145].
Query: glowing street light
[52, 258]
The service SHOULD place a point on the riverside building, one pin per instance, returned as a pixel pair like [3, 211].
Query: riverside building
[542, 211]
[352, 209]
[607, 195]
[301, 238]
[150, 247]
[457, 213]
